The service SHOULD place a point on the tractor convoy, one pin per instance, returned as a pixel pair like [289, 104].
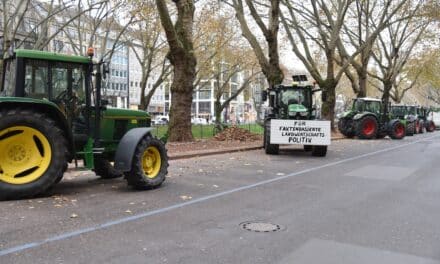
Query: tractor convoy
[368, 119]
[52, 113]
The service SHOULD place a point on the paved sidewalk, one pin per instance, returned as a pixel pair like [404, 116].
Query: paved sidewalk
[194, 150]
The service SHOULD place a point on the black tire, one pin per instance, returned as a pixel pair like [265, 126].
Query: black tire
[344, 127]
[66, 165]
[410, 127]
[396, 130]
[430, 126]
[308, 147]
[319, 151]
[137, 177]
[422, 127]
[363, 126]
[271, 149]
[105, 169]
[34, 122]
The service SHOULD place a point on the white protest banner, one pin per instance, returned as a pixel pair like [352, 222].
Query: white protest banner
[304, 132]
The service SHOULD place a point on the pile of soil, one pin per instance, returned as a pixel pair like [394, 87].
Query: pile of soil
[235, 133]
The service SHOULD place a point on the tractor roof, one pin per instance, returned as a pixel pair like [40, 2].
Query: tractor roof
[45, 55]
[370, 99]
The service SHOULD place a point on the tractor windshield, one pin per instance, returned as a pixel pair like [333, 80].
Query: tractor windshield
[7, 89]
[295, 96]
[412, 110]
[398, 111]
[368, 106]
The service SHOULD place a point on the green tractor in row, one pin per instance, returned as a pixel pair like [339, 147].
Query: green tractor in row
[401, 112]
[367, 120]
[420, 114]
[52, 113]
[291, 119]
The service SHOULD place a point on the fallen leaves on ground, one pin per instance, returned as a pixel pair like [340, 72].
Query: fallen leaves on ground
[236, 133]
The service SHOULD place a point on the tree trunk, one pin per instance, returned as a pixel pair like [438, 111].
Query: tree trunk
[362, 83]
[387, 86]
[218, 113]
[179, 128]
[328, 101]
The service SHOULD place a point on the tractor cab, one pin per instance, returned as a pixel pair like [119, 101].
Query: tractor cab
[371, 105]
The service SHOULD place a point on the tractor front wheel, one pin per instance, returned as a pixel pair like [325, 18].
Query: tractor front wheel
[33, 153]
[397, 130]
[149, 165]
[367, 127]
[422, 127]
[272, 149]
[410, 127]
[319, 151]
[344, 126]
[105, 169]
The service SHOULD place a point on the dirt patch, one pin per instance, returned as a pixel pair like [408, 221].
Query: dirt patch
[235, 133]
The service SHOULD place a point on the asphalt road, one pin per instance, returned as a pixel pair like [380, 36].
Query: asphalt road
[366, 202]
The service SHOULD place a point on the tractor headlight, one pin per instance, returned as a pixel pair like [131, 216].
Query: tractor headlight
[303, 113]
[292, 113]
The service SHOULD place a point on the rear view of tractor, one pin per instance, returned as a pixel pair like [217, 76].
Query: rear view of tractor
[292, 119]
[51, 113]
[367, 120]
[423, 114]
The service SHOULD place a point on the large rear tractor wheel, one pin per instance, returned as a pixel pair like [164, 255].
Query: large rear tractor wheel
[397, 130]
[33, 153]
[344, 126]
[319, 151]
[367, 127]
[272, 149]
[105, 169]
[430, 126]
[308, 147]
[149, 165]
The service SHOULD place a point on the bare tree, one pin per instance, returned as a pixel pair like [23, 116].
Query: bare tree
[317, 25]
[394, 48]
[181, 55]
[267, 19]
[366, 19]
[149, 46]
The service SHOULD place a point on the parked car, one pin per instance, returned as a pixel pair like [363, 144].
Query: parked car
[436, 119]
[160, 120]
[199, 121]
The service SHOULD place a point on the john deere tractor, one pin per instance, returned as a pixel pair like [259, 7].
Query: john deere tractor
[51, 113]
[291, 119]
[367, 120]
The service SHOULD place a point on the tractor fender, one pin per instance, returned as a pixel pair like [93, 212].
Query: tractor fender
[127, 146]
[362, 115]
[46, 107]
[392, 122]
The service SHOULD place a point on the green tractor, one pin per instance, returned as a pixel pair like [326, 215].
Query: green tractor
[415, 112]
[367, 120]
[401, 112]
[423, 114]
[291, 119]
[51, 113]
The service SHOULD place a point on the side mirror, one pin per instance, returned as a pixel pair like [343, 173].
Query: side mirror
[263, 96]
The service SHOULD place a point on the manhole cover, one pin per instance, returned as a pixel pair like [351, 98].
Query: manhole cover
[260, 227]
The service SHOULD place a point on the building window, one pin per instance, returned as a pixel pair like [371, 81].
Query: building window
[205, 107]
[131, 84]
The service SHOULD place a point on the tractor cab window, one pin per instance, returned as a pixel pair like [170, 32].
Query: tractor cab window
[78, 85]
[36, 83]
[9, 78]
[291, 96]
[373, 107]
[358, 105]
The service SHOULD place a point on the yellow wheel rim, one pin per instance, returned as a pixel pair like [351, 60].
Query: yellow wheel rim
[151, 162]
[25, 155]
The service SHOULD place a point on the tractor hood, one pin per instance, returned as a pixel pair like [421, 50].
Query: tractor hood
[297, 108]
[348, 114]
[120, 113]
